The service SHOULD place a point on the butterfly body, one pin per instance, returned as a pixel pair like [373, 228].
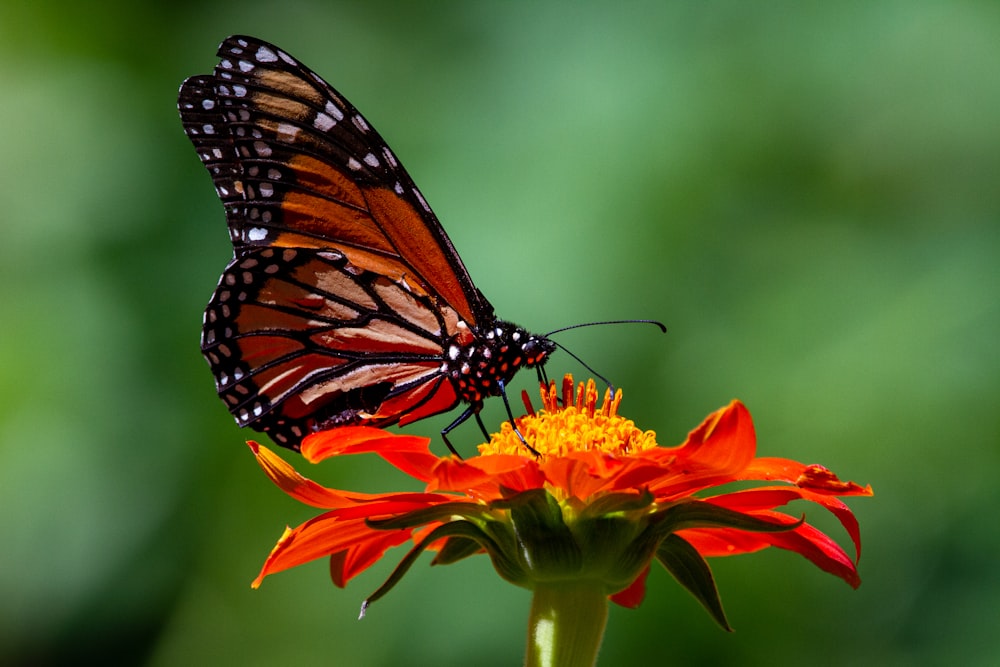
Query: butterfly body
[345, 301]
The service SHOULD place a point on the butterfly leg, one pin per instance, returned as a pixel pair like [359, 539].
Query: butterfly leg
[461, 419]
[482, 426]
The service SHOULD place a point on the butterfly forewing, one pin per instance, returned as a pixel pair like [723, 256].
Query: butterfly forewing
[345, 301]
[301, 167]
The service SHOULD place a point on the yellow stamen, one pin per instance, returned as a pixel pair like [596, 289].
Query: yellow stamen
[576, 425]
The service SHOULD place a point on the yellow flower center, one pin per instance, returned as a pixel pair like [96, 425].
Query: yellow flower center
[575, 425]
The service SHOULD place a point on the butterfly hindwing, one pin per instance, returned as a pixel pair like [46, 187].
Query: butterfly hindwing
[308, 332]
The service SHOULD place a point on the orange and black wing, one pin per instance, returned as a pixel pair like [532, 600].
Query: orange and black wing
[345, 296]
[302, 340]
[296, 165]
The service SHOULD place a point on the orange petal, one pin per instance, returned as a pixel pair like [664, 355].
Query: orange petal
[724, 443]
[583, 474]
[716, 452]
[320, 537]
[345, 530]
[631, 597]
[775, 496]
[299, 487]
[408, 453]
[483, 477]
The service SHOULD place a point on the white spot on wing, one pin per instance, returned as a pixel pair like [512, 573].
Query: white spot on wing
[371, 160]
[334, 111]
[287, 132]
[353, 164]
[323, 122]
[265, 55]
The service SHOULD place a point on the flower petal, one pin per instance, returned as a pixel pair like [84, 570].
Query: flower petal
[301, 488]
[409, 453]
[714, 453]
[323, 536]
[346, 564]
[804, 539]
[816, 477]
[348, 529]
[820, 549]
[632, 597]
[486, 477]
[776, 496]
[585, 473]
[714, 542]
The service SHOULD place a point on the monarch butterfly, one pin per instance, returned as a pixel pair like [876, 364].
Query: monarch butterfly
[345, 301]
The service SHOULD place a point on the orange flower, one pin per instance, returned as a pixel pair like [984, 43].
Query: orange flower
[597, 505]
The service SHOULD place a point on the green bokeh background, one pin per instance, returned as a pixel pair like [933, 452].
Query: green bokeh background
[806, 193]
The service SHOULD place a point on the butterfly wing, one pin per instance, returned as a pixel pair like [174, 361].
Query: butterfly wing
[302, 340]
[296, 165]
[344, 288]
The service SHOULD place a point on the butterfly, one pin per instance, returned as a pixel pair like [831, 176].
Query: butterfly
[345, 302]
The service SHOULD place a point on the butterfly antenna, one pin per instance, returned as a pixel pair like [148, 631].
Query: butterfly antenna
[661, 325]
[657, 323]
[586, 365]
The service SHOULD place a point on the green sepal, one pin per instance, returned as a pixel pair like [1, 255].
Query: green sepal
[545, 543]
[617, 502]
[455, 549]
[463, 529]
[438, 513]
[703, 514]
[616, 548]
[693, 573]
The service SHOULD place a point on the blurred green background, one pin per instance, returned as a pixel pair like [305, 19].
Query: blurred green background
[806, 193]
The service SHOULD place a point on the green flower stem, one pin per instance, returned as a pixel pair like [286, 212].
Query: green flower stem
[566, 624]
